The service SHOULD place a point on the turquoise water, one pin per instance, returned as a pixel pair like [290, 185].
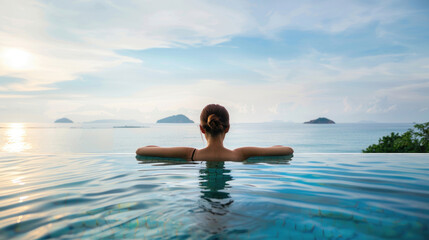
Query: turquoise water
[71, 181]
[116, 196]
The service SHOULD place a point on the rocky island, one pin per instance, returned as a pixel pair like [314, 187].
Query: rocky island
[321, 120]
[63, 120]
[175, 119]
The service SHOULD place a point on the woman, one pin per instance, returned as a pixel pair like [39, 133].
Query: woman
[214, 123]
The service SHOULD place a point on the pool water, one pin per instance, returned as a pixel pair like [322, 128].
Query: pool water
[311, 196]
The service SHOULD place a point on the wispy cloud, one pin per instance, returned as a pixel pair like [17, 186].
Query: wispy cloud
[319, 57]
[71, 38]
[329, 16]
[66, 39]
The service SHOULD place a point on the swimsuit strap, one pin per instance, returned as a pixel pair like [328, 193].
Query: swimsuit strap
[192, 157]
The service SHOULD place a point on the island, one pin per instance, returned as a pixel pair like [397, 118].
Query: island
[367, 121]
[321, 120]
[175, 119]
[63, 120]
[126, 126]
[116, 121]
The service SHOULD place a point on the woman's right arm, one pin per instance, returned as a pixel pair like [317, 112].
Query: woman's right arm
[277, 150]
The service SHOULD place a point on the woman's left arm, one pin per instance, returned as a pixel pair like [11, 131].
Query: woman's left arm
[277, 150]
[168, 152]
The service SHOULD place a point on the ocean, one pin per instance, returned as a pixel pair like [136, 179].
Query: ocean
[84, 181]
[112, 138]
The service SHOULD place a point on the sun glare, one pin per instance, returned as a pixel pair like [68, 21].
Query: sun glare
[16, 134]
[16, 59]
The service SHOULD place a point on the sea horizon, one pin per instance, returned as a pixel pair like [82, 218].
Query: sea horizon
[272, 121]
[121, 138]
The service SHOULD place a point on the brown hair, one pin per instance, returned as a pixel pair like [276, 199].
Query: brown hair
[214, 119]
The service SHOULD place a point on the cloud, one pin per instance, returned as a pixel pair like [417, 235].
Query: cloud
[15, 96]
[324, 67]
[70, 38]
[66, 39]
[328, 16]
[347, 106]
[381, 106]
[274, 109]
[408, 92]
[246, 103]
[80, 43]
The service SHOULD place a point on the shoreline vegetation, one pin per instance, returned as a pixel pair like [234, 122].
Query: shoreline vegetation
[412, 141]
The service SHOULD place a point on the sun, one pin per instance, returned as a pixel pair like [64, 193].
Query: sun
[16, 59]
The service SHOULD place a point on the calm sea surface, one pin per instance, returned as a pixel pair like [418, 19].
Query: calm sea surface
[104, 138]
[84, 182]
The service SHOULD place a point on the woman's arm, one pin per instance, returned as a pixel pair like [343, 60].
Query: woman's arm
[277, 150]
[168, 152]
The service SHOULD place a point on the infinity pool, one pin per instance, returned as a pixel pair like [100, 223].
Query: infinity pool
[312, 196]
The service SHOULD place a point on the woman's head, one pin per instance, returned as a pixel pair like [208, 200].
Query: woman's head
[214, 119]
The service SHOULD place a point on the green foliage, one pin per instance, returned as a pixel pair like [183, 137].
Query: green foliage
[412, 141]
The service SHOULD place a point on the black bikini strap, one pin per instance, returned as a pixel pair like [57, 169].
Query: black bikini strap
[192, 157]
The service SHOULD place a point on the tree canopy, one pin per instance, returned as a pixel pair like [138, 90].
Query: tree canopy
[412, 141]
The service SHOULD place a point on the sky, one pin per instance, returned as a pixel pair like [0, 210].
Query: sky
[264, 61]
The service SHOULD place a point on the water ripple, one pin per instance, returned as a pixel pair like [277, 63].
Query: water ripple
[360, 196]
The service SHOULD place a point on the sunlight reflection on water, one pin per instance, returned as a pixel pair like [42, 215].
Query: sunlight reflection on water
[16, 138]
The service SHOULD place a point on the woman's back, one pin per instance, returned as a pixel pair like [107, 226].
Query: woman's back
[216, 154]
[214, 124]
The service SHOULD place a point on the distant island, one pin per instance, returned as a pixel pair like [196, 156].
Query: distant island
[367, 121]
[175, 119]
[126, 126]
[116, 121]
[320, 120]
[63, 120]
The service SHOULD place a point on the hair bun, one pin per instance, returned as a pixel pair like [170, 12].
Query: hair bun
[214, 119]
[214, 123]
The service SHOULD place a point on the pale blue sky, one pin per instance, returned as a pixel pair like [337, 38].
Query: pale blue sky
[268, 60]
